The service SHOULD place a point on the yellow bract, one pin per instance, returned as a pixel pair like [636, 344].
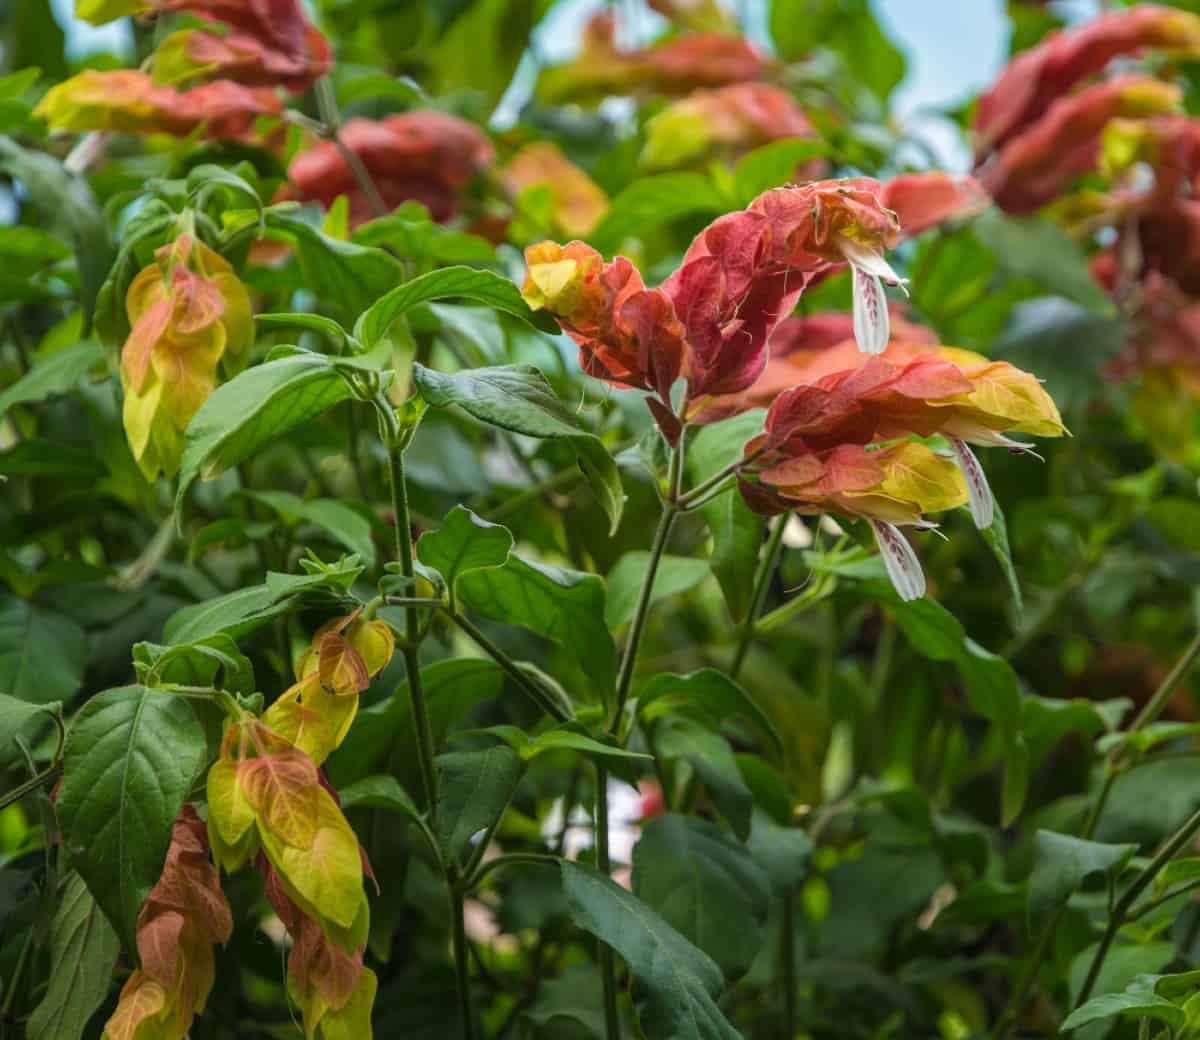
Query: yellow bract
[97, 12]
[189, 316]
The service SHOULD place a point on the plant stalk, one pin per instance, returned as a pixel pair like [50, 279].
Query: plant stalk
[608, 966]
[412, 619]
[1174, 845]
[462, 965]
[1149, 713]
[762, 581]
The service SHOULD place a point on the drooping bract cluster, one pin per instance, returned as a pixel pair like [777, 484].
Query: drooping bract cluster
[183, 918]
[673, 66]
[190, 319]
[218, 79]
[1071, 107]
[269, 805]
[427, 156]
[839, 429]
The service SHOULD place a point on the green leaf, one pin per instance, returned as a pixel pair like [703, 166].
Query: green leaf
[452, 688]
[1062, 865]
[210, 662]
[1139, 1000]
[449, 283]
[42, 655]
[706, 886]
[254, 408]
[65, 202]
[1028, 247]
[411, 233]
[240, 612]
[346, 276]
[846, 27]
[681, 982]
[710, 755]
[149, 227]
[736, 530]
[464, 543]
[773, 165]
[996, 536]
[934, 632]
[520, 399]
[782, 852]
[83, 953]
[14, 714]
[475, 789]
[379, 792]
[317, 323]
[344, 525]
[57, 373]
[565, 606]
[675, 574]
[707, 694]
[650, 202]
[132, 756]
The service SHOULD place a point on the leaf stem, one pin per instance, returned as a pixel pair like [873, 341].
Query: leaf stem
[638, 625]
[393, 442]
[762, 581]
[327, 106]
[608, 966]
[511, 859]
[1112, 768]
[462, 966]
[1120, 912]
[787, 958]
[509, 666]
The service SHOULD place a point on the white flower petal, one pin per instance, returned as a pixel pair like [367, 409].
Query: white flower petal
[901, 562]
[872, 325]
[983, 506]
[872, 262]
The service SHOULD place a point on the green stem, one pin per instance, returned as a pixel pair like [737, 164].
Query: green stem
[462, 966]
[1112, 768]
[608, 967]
[762, 581]
[390, 432]
[46, 776]
[1174, 845]
[510, 859]
[1155, 705]
[638, 625]
[693, 497]
[539, 696]
[332, 119]
[787, 960]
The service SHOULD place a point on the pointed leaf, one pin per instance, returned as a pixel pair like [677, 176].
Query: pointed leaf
[1062, 864]
[42, 655]
[254, 408]
[83, 953]
[475, 789]
[448, 283]
[464, 543]
[681, 982]
[706, 886]
[131, 758]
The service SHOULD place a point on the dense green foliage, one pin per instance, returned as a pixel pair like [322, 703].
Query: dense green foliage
[329, 521]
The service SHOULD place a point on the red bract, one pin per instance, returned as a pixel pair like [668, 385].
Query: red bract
[729, 120]
[702, 59]
[129, 102]
[924, 200]
[1035, 78]
[1165, 331]
[242, 58]
[1169, 237]
[1033, 168]
[427, 156]
[628, 335]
